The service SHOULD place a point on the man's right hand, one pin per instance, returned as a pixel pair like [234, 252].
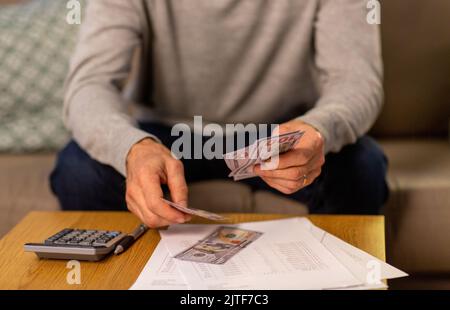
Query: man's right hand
[150, 164]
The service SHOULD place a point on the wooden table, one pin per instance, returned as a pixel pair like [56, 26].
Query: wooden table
[22, 270]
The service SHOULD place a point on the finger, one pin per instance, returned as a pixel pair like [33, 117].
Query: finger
[292, 173]
[133, 207]
[136, 203]
[278, 186]
[154, 221]
[132, 202]
[306, 180]
[290, 186]
[294, 158]
[177, 185]
[149, 218]
[153, 195]
[177, 182]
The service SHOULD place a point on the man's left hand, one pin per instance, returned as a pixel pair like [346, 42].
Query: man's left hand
[299, 167]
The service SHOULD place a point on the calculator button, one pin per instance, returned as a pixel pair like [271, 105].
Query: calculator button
[99, 243]
[82, 237]
[86, 242]
[65, 231]
[59, 234]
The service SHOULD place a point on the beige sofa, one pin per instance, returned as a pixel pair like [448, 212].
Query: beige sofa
[413, 130]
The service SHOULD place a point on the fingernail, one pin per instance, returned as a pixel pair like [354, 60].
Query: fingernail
[181, 220]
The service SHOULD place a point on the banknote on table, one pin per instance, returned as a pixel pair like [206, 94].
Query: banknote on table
[197, 212]
[221, 245]
[242, 162]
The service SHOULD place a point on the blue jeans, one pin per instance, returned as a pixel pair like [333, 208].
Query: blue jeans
[353, 181]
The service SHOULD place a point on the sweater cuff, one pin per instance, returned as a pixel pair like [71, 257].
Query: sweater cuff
[316, 120]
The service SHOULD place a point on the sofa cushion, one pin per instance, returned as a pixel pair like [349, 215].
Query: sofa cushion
[24, 187]
[416, 164]
[228, 196]
[267, 202]
[35, 46]
[418, 212]
[220, 196]
[416, 49]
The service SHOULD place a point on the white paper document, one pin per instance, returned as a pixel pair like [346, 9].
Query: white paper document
[160, 272]
[363, 266]
[286, 256]
[292, 254]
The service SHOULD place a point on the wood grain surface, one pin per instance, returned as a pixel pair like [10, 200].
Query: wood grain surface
[22, 270]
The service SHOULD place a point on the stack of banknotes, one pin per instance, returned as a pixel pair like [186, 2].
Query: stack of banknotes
[243, 161]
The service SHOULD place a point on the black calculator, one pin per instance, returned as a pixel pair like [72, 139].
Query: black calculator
[78, 244]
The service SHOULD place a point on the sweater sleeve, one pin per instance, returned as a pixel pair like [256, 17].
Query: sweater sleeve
[94, 109]
[350, 72]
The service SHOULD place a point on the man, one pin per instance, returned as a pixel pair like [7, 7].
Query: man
[311, 65]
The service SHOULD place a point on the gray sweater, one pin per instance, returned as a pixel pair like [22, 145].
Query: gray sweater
[230, 61]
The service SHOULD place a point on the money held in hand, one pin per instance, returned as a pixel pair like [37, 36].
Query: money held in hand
[243, 161]
[220, 246]
[197, 212]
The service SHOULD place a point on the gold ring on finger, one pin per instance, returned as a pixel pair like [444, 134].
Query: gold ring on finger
[305, 179]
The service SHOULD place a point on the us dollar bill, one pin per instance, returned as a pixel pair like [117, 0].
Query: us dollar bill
[220, 246]
[202, 213]
[259, 152]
